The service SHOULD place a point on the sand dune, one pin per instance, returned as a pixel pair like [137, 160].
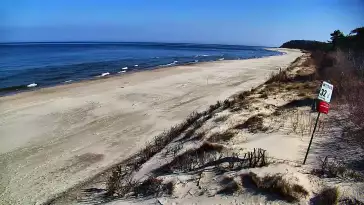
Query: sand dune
[54, 138]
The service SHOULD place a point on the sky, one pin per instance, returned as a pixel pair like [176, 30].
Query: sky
[243, 22]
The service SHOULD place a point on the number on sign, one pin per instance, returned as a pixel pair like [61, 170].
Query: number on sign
[323, 93]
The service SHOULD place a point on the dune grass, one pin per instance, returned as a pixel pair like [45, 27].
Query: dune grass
[276, 184]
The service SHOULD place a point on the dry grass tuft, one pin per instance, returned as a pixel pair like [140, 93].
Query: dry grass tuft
[264, 95]
[221, 118]
[244, 95]
[280, 77]
[350, 201]
[227, 104]
[114, 183]
[327, 196]
[210, 147]
[230, 186]
[276, 184]
[150, 187]
[153, 187]
[253, 124]
[307, 62]
[192, 159]
[331, 168]
[218, 137]
[214, 107]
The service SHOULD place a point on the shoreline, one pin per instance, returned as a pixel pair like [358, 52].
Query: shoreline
[70, 133]
[24, 88]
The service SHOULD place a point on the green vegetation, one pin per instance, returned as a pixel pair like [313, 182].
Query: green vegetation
[307, 45]
[353, 41]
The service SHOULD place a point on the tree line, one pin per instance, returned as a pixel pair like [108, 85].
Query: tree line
[353, 41]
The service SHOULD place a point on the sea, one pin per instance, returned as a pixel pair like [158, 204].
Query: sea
[29, 66]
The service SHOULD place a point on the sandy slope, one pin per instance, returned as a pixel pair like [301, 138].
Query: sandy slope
[54, 138]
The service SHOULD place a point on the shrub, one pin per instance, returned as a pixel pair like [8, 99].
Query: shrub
[227, 103]
[351, 201]
[345, 71]
[221, 118]
[230, 186]
[264, 95]
[192, 158]
[307, 45]
[114, 184]
[225, 136]
[253, 124]
[244, 95]
[332, 168]
[280, 77]
[327, 196]
[276, 184]
[153, 187]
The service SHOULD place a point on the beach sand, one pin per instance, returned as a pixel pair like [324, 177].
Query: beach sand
[55, 138]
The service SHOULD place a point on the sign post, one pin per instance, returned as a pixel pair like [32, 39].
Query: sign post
[323, 107]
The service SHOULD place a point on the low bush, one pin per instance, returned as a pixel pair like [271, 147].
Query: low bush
[221, 118]
[230, 186]
[192, 159]
[331, 168]
[264, 95]
[153, 187]
[150, 187]
[280, 77]
[253, 124]
[276, 184]
[350, 201]
[244, 95]
[224, 136]
[327, 196]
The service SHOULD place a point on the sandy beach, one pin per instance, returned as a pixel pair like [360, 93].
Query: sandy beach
[55, 138]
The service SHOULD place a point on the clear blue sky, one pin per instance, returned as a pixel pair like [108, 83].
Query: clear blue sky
[249, 22]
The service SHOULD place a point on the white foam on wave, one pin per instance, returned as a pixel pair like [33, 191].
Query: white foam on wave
[68, 81]
[105, 74]
[221, 59]
[32, 85]
[136, 65]
[169, 64]
[125, 68]
[123, 71]
[196, 61]
[204, 55]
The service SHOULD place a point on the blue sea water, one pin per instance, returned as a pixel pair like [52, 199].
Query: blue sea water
[26, 66]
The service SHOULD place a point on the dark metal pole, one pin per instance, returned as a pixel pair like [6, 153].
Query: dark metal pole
[313, 133]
